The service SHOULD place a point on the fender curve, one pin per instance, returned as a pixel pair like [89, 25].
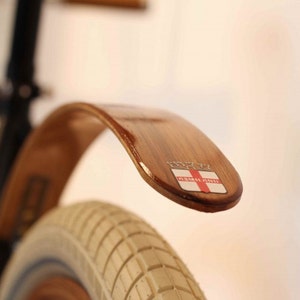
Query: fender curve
[160, 144]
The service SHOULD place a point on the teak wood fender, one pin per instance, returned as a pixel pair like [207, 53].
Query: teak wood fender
[172, 155]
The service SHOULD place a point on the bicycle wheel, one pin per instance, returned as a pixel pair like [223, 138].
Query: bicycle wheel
[105, 251]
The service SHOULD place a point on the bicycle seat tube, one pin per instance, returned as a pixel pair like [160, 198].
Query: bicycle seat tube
[17, 94]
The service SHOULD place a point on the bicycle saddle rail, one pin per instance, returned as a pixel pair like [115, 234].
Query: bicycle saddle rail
[172, 155]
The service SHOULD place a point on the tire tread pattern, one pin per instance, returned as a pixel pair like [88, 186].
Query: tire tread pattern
[134, 260]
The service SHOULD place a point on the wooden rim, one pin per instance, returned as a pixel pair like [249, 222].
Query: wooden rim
[59, 288]
[138, 4]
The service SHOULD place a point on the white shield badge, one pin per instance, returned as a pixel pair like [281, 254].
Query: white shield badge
[199, 181]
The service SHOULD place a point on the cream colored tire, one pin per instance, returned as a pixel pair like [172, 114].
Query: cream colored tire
[111, 252]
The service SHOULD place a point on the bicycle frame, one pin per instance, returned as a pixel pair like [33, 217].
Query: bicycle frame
[19, 91]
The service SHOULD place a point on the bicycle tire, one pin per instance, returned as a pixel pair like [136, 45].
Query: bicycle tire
[111, 252]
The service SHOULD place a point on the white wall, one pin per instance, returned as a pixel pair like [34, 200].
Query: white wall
[232, 68]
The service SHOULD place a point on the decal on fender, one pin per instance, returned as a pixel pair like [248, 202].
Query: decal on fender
[199, 181]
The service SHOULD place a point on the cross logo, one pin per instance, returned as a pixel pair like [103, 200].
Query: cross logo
[199, 181]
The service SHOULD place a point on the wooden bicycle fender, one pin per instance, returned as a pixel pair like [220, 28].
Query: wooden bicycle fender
[172, 155]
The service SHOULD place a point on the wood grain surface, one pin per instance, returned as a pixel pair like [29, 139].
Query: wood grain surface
[58, 288]
[160, 144]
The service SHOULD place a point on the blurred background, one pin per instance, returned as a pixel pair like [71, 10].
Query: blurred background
[230, 67]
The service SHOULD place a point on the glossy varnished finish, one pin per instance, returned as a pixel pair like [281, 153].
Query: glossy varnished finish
[157, 142]
[58, 288]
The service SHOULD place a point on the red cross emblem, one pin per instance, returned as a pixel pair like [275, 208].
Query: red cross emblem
[199, 181]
